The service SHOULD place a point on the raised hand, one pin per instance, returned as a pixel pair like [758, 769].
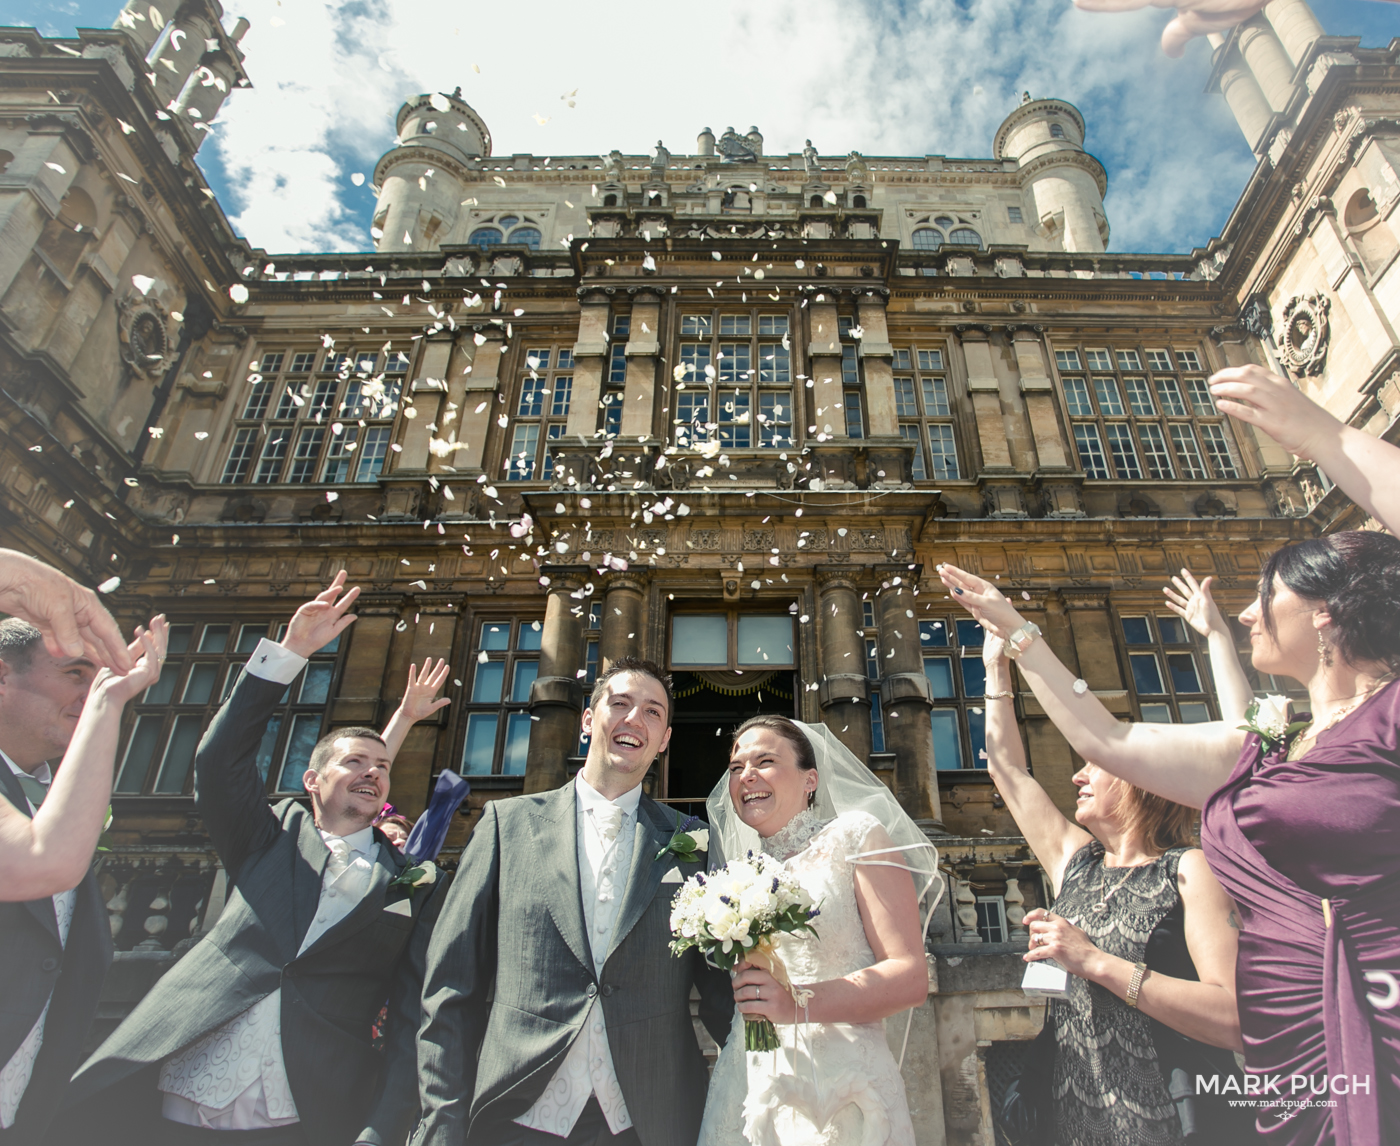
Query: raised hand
[1193, 17]
[418, 703]
[1191, 600]
[323, 618]
[1285, 413]
[72, 619]
[147, 654]
[983, 600]
[993, 649]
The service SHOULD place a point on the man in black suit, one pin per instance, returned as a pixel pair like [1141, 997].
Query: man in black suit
[261, 1033]
[55, 950]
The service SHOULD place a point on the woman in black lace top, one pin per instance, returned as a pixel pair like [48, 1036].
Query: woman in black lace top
[1148, 937]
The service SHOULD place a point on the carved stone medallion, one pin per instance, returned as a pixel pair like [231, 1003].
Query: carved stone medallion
[1304, 333]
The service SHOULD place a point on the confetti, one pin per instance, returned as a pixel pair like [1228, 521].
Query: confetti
[143, 283]
[110, 585]
[331, 495]
[200, 435]
[358, 178]
[55, 167]
[238, 293]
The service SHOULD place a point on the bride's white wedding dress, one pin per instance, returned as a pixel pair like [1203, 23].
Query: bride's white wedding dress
[839, 1085]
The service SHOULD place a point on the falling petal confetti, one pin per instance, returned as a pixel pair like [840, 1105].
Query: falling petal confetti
[331, 495]
[239, 293]
[110, 585]
[358, 178]
[143, 283]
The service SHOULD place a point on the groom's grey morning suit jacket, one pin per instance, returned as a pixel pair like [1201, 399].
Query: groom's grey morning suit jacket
[510, 979]
[345, 1090]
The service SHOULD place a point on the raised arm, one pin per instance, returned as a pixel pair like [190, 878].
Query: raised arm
[1184, 763]
[1205, 1010]
[417, 704]
[1367, 469]
[51, 852]
[72, 619]
[1051, 835]
[1191, 600]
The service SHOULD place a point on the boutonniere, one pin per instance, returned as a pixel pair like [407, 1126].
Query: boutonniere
[420, 875]
[1267, 718]
[686, 845]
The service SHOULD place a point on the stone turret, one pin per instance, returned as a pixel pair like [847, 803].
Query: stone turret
[1062, 185]
[420, 182]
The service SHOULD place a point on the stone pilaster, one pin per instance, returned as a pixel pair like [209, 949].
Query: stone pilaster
[426, 397]
[590, 355]
[1039, 394]
[824, 366]
[845, 691]
[876, 353]
[643, 346]
[985, 389]
[479, 405]
[556, 697]
[905, 696]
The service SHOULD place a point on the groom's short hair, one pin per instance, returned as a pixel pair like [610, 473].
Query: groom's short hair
[641, 668]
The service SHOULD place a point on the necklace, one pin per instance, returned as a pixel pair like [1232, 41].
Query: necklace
[1102, 905]
[1296, 749]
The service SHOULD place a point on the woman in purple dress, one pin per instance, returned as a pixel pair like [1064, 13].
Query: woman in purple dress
[1301, 823]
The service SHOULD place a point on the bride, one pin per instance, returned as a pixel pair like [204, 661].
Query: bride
[794, 791]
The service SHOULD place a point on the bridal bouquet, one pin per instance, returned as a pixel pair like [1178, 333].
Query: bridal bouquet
[736, 913]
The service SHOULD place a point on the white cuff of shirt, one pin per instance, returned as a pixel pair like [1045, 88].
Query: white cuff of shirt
[272, 662]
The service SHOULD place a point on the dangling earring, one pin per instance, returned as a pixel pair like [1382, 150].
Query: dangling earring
[1324, 650]
[811, 798]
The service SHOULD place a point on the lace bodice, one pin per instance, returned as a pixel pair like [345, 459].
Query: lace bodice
[833, 1084]
[820, 853]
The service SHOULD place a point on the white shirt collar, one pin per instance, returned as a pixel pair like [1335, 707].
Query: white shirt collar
[590, 797]
[43, 773]
[361, 841]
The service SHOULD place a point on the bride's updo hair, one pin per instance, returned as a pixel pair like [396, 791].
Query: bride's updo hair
[806, 758]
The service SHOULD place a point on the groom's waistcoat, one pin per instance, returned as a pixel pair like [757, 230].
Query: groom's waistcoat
[511, 978]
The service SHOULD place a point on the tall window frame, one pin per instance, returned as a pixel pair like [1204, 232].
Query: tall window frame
[1144, 413]
[313, 418]
[1168, 668]
[204, 660]
[853, 407]
[736, 383]
[505, 659]
[924, 406]
[951, 648]
[540, 404]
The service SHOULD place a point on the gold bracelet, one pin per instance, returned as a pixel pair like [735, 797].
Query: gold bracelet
[998, 695]
[1135, 984]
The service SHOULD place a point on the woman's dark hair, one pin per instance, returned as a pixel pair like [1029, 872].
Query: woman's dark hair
[806, 758]
[1357, 575]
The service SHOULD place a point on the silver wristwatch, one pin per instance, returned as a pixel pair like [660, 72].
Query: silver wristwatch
[1018, 641]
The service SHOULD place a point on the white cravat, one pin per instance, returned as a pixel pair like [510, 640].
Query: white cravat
[15, 1075]
[235, 1078]
[605, 832]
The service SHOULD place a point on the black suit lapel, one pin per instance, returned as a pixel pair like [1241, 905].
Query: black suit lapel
[308, 865]
[555, 825]
[652, 833]
[41, 909]
[364, 912]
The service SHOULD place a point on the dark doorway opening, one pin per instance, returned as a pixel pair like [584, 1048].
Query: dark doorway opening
[708, 709]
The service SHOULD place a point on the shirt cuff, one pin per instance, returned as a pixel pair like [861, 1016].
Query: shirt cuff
[272, 662]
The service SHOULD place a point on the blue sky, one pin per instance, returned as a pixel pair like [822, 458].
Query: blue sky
[912, 78]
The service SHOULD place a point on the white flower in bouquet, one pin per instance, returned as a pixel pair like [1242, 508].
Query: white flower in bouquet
[736, 913]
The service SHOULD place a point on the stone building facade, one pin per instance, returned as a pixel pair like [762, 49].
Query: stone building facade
[725, 409]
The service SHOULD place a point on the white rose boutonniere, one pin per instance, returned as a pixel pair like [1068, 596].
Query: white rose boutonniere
[1267, 718]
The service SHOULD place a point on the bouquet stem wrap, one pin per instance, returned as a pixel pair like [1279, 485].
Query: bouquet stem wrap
[759, 1033]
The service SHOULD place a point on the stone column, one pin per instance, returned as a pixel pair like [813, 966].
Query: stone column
[556, 697]
[1039, 394]
[1296, 26]
[479, 407]
[845, 690]
[426, 397]
[1267, 60]
[985, 389]
[905, 697]
[590, 354]
[643, 345]
[876, 353]
[624, 613]
[824, 366]
[1246, 99]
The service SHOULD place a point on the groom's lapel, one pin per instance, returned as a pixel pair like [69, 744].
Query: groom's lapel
[555, 824]
[652, 833]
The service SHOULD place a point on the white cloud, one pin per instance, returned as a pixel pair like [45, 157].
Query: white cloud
[936, 76]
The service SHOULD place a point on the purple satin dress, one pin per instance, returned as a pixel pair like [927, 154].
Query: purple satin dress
[1310, 851]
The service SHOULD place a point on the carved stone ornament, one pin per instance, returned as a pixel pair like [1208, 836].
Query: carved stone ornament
[143, 332]
[1304, 333]
[735, 148]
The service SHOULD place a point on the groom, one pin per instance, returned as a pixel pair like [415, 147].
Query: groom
[554, 1013]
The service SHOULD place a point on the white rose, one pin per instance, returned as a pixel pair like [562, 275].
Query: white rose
[427, 876]
[757, 900]
[1271, 715]
[701, 836]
